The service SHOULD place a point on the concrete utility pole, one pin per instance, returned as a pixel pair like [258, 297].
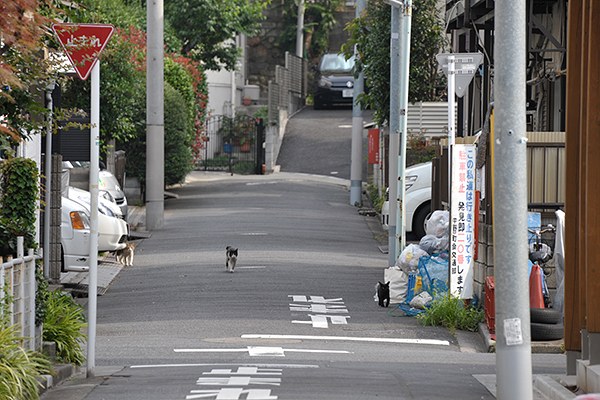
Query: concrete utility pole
[513, 344]
[300, 30]
[155, 125]
[394, 123]
[405, 27]
[356, 159]
[48, 163]
[94, 179]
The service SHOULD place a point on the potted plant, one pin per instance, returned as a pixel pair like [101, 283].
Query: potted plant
[239, 131]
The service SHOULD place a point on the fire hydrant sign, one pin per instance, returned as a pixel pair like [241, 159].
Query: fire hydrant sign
[462, 224]
[83, 44]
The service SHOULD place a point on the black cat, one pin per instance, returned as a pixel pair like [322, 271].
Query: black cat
[383, 293]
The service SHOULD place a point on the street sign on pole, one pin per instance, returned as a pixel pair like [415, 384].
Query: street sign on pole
[83, 44]
[465, 65]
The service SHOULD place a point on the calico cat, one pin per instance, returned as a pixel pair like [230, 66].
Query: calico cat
[231, 254]
[383, 293]
[125, 256]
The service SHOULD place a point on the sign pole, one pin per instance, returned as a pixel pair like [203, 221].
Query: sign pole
[94, 176]
[83, 44]
[451, 123]
[405, 29]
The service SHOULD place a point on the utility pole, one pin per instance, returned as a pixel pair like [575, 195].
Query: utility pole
[405, 28]
[394, 123]
[356, 162]
[300, 30]
[48, 163]
[155, 125]
[513, 344]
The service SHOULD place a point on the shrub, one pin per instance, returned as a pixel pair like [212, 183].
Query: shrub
[19, 368]
[63, 325]
[18, 203]
[376, 200]
[452, 313]
[41, 296]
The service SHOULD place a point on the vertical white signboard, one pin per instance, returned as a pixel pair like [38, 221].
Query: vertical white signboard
[462, 224]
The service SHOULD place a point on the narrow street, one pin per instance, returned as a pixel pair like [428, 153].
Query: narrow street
[296, 320]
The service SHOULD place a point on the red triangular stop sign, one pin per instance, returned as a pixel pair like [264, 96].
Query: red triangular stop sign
[83, 43]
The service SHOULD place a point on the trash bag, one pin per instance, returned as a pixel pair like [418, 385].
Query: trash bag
[438, 224]
[408, 260]
[421, 301]
[433, 244]
[434, 275]
[398, 280]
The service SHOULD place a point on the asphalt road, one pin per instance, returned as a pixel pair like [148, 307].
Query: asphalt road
[296, 320]
[319, 142]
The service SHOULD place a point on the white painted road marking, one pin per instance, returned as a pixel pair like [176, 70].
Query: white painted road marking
[238, 381]
[315, 299]
[261, 351]
[292, 366]
[246, 371]
[232, 394]
[321, 321]
[318, 308]
[319, 305]
[350, 339]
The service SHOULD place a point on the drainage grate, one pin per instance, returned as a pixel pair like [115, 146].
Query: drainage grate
[81, 290]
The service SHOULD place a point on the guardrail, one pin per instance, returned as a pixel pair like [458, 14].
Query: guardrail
[17, 280]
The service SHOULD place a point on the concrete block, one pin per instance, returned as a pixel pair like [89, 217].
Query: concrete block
[490, 256]
[582, 374]
[593, 378]
[482, 252]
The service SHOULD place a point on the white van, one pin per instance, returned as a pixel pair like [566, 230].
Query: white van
[75, 236]
[417, 199]
[112, 228]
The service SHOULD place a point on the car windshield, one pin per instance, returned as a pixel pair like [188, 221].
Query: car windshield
[336, 63]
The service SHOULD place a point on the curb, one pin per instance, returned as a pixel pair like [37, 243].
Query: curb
[553, 347]
[551, 388]
[60, 373]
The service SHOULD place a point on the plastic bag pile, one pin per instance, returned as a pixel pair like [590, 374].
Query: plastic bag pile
[428, 261]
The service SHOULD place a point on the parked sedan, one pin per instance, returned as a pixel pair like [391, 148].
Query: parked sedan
[112, 228]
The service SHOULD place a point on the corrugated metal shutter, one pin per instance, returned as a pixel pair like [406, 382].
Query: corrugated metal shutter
[428, 118]
[546, 163]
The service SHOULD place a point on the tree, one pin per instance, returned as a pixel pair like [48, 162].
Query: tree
[22, 29]
[319, 20]
[206, 27]
[371, 34]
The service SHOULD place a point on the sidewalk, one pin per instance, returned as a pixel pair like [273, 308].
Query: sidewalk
[72, 379]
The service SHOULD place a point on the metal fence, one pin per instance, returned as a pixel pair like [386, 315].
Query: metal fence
[18, 277]
[289, 89]
[232, 144]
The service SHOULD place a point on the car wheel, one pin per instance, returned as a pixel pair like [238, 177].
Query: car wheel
[420, 218]
[546, 332]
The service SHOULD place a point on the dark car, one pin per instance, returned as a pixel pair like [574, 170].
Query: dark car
[334, 81]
